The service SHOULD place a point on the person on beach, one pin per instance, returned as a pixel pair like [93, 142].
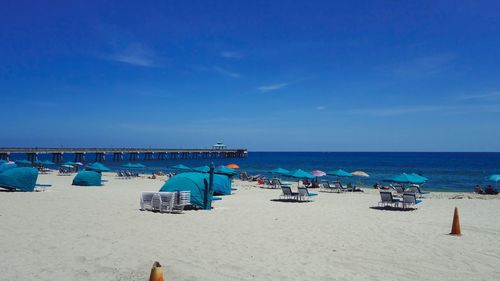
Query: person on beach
[478, 189]
[490, 190]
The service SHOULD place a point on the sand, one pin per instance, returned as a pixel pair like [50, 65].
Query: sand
[78, 233]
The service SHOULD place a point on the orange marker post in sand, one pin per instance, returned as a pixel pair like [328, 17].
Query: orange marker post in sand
[156, 272]
[455, 227]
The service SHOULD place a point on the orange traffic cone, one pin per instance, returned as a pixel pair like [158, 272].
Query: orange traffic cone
[156, 272]
[455, 227]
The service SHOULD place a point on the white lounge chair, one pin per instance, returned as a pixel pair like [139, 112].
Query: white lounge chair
[304, 194]
[410, 200]
[386, 199]
[183, 199]
[146, 198]
[288, 194]
[167, 201]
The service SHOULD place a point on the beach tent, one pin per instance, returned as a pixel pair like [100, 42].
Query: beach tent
[196, 183]
[98, 167]
[406, 178]
[88, 178]
[4, 167]
[225, 171]
[202, 169]
[339, 173]
[23, 179]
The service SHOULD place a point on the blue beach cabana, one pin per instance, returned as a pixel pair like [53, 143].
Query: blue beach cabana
[196, 183]
[88, 178]
[23, 179]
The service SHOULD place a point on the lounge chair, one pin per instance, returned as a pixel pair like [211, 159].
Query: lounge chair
[146, 198]
[267, 184]
[418, 192]
[410, 200]
[304, 194]
[288, 194]
[399, 189]
[183, 199]
[386, 199]
[167, 201]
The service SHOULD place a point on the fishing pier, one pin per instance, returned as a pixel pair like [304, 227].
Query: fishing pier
[120, 154]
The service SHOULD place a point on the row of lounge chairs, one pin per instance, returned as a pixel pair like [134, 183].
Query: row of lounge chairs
[165, 202]
[408, 200]
[411, 189]
[126, 174]
[302, 195]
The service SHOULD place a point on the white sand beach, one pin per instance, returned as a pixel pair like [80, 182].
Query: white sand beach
[78, 233]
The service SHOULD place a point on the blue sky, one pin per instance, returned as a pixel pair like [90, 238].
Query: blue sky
[266, 75]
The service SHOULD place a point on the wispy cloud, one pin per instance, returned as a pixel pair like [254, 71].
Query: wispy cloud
[231, 55]
[447, 109]
[320, 108]
[135, 54]
[482, 97]
[423, 66]
[220, 70]
[273, 87]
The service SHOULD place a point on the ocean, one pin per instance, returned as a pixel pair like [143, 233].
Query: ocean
[446, 171]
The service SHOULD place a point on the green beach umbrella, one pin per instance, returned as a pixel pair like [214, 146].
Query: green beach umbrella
[339, 173]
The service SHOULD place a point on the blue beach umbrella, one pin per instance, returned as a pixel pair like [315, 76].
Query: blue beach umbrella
[419, 177]
[300, 174]
[5, 167]
[181, 167]
[202, 169]
[98, 167]
[280, 171]
[69, 163]
[339, 173]
[406, 178]
[495, 178]
[23, 162]
[225, 171]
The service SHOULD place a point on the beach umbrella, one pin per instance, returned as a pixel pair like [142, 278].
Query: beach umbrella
[133, 166]
[47, 162]
[69, 163]
[419, 177]
[495, 178]
[225, 171]
[406, 178]
[300, 174]
[339, 173]
[318, 173]
[280, 171]
[360, 174]
[233, 166]
[202, 169]
[98, 167]
[181, 167]
[23, 162]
